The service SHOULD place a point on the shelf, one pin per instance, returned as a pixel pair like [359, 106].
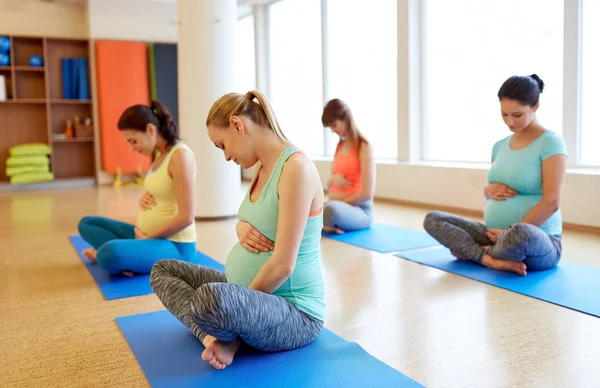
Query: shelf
[31, 85]
[43, 101]
[74, 140]
[24, 47]
[29, 68]
[36, 110]
[59, 101]
[22, 68]
[73, 160]
[24, 101]
[20, 124]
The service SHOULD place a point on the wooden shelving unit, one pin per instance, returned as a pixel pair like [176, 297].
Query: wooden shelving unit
[36, 109]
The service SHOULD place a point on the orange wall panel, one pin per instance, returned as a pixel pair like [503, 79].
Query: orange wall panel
[122, 81]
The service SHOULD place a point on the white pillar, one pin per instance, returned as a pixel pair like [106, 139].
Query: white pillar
[206, 58]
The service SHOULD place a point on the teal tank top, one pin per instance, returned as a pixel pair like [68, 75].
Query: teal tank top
[305, 287]
[522, 170]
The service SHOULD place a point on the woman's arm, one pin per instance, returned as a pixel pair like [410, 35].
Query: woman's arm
[554, 170]
[296, 192]
[367, 168]
[182, 169]
[486, 188]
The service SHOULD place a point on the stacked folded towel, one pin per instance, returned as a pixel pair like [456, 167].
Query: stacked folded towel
[29, 163]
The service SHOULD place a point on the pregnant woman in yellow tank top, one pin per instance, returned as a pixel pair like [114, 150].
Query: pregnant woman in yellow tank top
[165, 227]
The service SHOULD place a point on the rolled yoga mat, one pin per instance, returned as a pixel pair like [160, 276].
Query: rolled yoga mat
[170, 356]
[385, 238]
[569, 284]
[119, 286]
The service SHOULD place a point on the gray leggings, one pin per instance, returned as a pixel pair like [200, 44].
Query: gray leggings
[348, 217]
[202, 300]
[519, 242]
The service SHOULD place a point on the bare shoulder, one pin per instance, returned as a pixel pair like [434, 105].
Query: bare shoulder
[365, 147]
[298, 170]
[182, 160]
[299, 166]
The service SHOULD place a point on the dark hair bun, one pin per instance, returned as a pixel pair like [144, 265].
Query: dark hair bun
[539, 81]
[167, 127]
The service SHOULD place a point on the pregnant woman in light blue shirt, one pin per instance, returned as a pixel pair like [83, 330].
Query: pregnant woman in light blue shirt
[523, 221]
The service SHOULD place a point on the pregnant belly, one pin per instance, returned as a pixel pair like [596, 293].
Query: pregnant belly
[243, 266]
[150, 220]
[502, 214]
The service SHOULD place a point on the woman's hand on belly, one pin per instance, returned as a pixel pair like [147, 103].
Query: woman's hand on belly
[251, 239]
[499, 191]
[147, 201]
[340, 181]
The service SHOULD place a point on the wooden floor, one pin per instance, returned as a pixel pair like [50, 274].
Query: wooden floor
[440, 329]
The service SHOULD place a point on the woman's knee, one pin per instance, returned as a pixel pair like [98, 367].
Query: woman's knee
[159, 270]
[110, 256]
[433, 219]
[520, 233]
[330, 213]
[206, 307]
[84, 224]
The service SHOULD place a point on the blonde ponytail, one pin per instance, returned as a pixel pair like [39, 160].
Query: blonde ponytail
[235, 104]
[270, 115]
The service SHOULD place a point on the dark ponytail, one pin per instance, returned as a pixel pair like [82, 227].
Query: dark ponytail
[525, 89]
[138, 117]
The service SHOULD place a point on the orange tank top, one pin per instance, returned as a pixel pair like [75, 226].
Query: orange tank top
[348, 165]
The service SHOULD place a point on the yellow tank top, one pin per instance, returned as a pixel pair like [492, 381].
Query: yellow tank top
[158, 183]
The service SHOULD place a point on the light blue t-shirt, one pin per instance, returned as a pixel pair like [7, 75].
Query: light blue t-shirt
[305, 287]
[522, 170]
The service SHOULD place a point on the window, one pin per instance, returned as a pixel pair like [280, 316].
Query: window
[590, 84]
[296, 86]
[362, 61]
[245, 65]
[471, 47]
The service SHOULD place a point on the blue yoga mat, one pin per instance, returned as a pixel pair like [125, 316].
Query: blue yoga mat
[119, 286]
[386, 238]
[569, 284]
[170, 356]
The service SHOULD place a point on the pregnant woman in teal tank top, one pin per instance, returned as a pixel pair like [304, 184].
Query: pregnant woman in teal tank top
[271, 295]
[523, 221]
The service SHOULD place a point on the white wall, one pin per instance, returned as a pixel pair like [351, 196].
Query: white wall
[67, 18]
[141, 20]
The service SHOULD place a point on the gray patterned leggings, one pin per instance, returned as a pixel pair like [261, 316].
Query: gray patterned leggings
[519, 242]
[205, 303]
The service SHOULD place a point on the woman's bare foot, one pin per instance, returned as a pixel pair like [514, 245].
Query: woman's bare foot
[333, 229]
[129, 274]
[90, 254]
[504, 265]
[219, 354]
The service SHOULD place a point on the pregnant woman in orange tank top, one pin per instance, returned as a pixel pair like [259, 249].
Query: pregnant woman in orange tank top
[352, 184]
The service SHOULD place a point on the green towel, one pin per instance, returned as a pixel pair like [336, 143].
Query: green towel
[27, 160]
[31, 177]
[10, 171]
[30, 149]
